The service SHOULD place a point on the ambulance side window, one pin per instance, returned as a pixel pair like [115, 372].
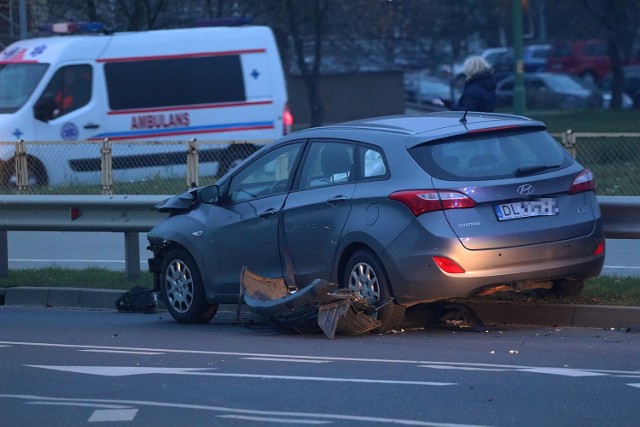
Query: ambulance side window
[68, 90]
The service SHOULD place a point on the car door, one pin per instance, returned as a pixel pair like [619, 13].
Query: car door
[243, 230]
[315, 214]
[68, 109]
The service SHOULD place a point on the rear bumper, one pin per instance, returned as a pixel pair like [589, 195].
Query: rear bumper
[415, 278]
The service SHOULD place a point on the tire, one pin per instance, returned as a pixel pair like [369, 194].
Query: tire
[182, 289]
[36, 173]
[365, 274]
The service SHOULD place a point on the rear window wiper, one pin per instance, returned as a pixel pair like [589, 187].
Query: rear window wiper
[525, 170]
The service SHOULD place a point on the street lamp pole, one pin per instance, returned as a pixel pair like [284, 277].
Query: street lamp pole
[518, 85]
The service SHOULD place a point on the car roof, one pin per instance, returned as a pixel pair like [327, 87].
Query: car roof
[417, 129]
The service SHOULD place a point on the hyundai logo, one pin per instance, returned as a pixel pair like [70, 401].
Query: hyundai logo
[525, 190]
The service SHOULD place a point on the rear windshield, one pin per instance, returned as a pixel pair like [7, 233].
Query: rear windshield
[492, 156]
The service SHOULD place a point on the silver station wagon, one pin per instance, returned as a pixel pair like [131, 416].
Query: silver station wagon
[402, 210]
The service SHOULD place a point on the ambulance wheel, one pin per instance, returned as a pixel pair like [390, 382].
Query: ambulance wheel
[36, 173]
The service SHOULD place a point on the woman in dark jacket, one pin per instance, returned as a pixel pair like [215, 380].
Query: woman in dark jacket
[479, 93]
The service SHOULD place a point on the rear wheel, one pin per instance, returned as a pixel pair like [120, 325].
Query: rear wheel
[365, 275]
[183, 290]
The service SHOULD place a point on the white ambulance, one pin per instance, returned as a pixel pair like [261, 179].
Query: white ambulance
[208, 83]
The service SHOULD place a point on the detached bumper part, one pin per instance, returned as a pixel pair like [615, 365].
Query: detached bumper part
[318, 306]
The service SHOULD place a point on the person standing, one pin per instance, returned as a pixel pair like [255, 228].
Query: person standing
[479, 93]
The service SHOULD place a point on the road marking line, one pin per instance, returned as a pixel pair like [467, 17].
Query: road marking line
[102, 415]
[334, 359]
[565, 372]
[273, 420]
[637, 385]
[464, 368]
[306, 415]
[151, 353]
[278, 359]
[89, 405]
[119, 371]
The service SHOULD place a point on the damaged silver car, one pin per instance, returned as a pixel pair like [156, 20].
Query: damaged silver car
[396, 211]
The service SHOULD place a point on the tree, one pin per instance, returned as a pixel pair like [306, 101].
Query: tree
[619, 20]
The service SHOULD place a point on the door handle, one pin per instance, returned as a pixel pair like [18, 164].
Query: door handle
[337, 199]
[268, 213]
[91, 126]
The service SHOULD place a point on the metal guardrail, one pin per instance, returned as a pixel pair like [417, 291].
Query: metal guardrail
[132, 215]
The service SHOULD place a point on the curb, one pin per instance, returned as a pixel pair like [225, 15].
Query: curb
[490, 312]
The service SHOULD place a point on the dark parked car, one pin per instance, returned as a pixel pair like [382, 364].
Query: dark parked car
[402, 210]
[429, 91]
[631, 85]
[550, 91]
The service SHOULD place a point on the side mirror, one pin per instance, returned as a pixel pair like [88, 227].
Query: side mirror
[44, 108]
[209, 194]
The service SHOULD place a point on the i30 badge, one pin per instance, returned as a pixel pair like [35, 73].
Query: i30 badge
[525, 190]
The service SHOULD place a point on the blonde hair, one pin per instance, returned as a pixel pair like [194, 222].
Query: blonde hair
[475, 65]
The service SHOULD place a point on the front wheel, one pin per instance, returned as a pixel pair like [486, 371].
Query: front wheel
[365, 275]
[183, 290]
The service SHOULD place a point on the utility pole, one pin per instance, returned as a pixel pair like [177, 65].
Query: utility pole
[22, 12]
[518, 78]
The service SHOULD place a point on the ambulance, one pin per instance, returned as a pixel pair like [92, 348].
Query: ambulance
[208, 83]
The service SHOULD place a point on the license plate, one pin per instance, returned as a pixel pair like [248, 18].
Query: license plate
[526, 209]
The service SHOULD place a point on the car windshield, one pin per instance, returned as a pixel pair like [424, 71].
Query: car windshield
[17, 83]
[492, 156]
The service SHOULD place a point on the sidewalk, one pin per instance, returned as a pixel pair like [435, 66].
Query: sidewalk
[491, 312]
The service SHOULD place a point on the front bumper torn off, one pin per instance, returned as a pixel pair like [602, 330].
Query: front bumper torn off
[320, 305]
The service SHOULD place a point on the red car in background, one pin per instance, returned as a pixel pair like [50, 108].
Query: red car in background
[587, 59]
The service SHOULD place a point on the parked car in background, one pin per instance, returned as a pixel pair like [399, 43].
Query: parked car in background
[400, 210]
[534, 58]
[550, 91]
[427, 92]
[587, 59]
[631, 85]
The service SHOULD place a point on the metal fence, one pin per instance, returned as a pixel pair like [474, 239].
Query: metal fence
[170, 167]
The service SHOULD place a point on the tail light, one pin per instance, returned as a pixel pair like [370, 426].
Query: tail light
[583, 182]
[447, 265]
[287, 120]
[422, 201]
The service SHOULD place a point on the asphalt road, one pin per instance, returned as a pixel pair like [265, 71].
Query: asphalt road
[106, 250]
[76, 367]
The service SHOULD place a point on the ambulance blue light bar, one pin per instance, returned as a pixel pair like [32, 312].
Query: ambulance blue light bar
[74, 28]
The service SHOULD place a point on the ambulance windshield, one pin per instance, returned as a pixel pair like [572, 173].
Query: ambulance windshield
[17, 83]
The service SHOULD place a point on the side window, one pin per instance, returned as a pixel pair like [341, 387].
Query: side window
[68, 90]
[267, 175]
[373, 163]
[173, 82]
[328, 163]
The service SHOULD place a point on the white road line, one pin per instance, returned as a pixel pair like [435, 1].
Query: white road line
[112, 415]
[123, 351]
[637, 385]
[249, 412]
[274, 420]
[565, 372]
[334, 359]
[464, 368]
[119, 371]
[278, 359]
